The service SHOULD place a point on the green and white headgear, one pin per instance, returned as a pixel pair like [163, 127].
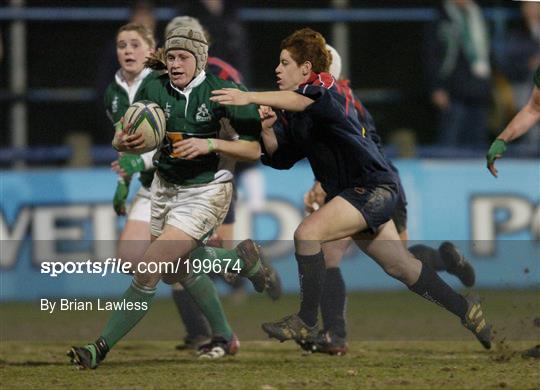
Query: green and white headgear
[190, 39]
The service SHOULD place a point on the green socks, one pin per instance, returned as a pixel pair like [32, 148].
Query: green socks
[128, 311]
[204, 293]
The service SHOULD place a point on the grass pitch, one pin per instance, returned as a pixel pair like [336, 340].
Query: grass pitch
[397, 341]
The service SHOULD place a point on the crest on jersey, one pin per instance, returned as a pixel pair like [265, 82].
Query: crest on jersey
[203, 115]
[167, 111]
[114, 105]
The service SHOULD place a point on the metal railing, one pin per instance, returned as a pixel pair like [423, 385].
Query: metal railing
[18, 15]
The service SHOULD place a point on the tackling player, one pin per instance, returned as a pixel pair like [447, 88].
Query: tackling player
[321, 125]
[332, 338]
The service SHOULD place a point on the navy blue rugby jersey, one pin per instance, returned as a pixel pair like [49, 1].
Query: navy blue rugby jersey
[329, 134]
[367, 121]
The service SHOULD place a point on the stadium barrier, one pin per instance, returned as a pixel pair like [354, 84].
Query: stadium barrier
[49, 215]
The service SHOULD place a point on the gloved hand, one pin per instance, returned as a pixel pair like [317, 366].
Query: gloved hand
[120, 196]
[131, 163]
[496, 150]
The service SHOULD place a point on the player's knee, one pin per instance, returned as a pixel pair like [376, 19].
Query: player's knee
[149, 280]
[170, 278]
[178, 279]
[307, 232]
[131, 252]
[397, 270]
[332, 259]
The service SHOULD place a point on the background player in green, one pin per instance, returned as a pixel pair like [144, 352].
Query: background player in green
[190, 195]
[134, 43]
[524, 120]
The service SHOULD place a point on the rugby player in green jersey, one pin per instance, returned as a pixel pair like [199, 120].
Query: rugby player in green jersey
[524, 120]
[134, 43]
[190, 194]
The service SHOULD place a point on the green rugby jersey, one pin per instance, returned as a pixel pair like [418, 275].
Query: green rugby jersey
[117, 101]
[537, 77]
[190, 113]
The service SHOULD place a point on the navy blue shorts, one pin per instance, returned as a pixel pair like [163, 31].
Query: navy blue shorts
[377, 204]
[400, 214]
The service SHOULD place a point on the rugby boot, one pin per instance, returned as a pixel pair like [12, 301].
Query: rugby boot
[456, 264]
[218, 347]
[192, 343]
[330, 343]
[476, 322]
[290, 328]
[273, 283]
[254, 268]
[90, 355]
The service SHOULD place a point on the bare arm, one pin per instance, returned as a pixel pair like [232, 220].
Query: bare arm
[268, 118]
[285, 100]
[524, 119]
[270, 141]
[239, 149]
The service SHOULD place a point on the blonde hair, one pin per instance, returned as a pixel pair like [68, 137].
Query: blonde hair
[308, 45]
[144, 33]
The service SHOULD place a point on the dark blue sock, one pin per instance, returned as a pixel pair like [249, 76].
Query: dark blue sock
[333, 302]
[431, 287]
[194, 321]
[311, 270]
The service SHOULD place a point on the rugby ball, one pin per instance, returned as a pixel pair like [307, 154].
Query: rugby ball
[148, 118]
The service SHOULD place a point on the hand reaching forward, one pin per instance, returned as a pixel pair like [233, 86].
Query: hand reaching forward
[230, 97]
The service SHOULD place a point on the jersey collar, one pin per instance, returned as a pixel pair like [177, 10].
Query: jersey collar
[323, 79]
[194, 83]
[131, 90]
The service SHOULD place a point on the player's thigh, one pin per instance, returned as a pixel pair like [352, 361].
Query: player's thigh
[335, 220]
[334, 251]
[226, 234]
[134, 241]
[172, 247]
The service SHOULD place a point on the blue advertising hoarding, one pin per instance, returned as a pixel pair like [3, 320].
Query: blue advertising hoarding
[496, 222]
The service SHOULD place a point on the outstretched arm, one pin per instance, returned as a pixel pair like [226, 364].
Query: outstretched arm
[243, 150]
[284, 100]
[524, 120]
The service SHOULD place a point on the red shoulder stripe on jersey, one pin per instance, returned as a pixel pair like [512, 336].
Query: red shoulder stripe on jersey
[227, 70]
[326, 80]
[347, 91]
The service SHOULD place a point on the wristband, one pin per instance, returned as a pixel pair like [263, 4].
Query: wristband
[211, 145]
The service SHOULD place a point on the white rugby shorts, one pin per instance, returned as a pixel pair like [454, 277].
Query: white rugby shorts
[196, 210]
[140, 207]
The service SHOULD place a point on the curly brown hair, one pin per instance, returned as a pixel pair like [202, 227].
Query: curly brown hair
[145, 33]
[308, 45]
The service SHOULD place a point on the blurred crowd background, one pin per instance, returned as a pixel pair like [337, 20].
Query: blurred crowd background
[441, 78]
